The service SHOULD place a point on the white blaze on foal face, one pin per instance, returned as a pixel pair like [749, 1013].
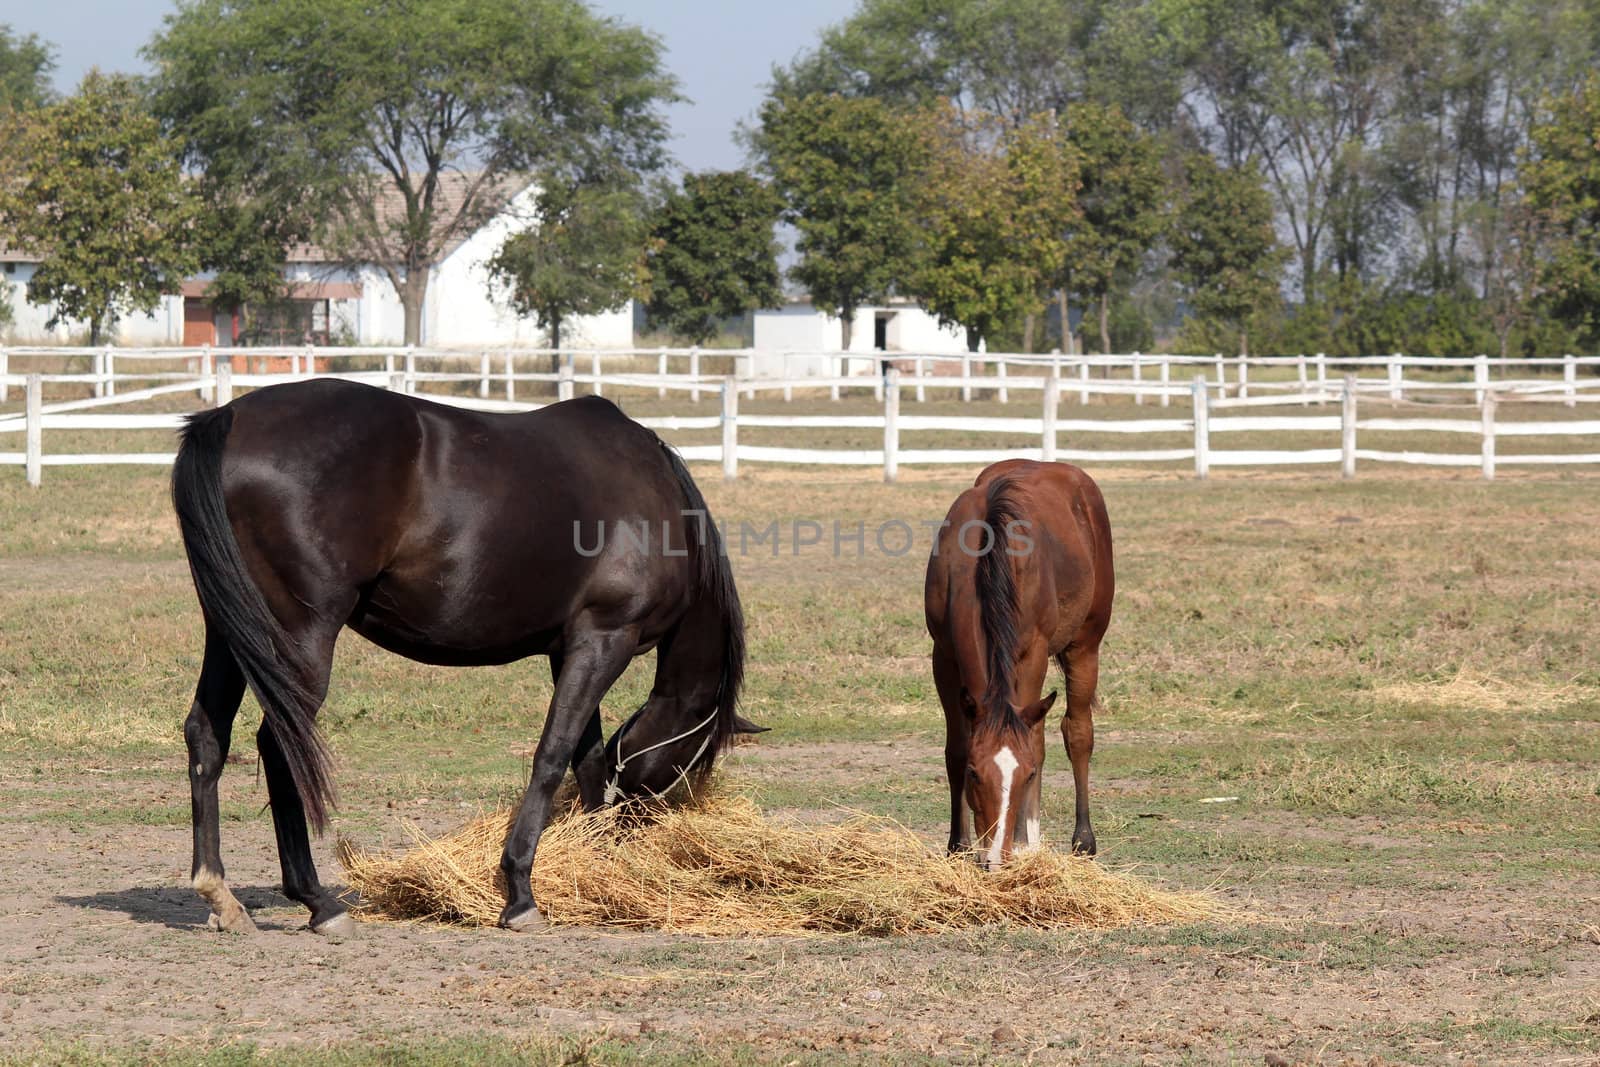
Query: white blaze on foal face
[1006, 762]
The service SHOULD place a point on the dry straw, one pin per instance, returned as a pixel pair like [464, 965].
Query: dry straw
[718, 866]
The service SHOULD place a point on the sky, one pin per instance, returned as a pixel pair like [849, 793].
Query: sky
[721, 51]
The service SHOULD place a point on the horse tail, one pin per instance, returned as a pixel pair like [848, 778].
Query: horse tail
[714, 581]
[233, 603]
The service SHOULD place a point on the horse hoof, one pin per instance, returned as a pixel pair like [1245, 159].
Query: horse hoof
[239, 923]
[339, 925]
[524, 921]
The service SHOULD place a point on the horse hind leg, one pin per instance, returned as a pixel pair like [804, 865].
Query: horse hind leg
[207, 733]
[329, 914]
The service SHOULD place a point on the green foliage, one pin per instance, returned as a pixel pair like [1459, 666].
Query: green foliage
[25, 66]
[407, 126]
[994, 209]
[847, 171]
[100, 198]
[1224, 249]
[1562, 177]
[584, 255]
[1123, 201]
[713, 254]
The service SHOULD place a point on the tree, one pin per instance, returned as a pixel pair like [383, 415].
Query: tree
[585, 255]
[101, 200]
[994, 209]
[846, 170]
[713, 252]
[410, 122]
[1562, 182]
[1223, 245]
[25, 66]
[1123, 206]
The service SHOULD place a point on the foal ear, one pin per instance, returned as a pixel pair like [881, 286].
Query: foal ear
[1034, 713]
[742, 725]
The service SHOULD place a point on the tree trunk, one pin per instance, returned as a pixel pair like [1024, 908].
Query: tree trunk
[555, 343]
[1244, 342]
[1027, 333]
[413, 298]
[94, 332]
[1105, 324]
[847, 318]
[973, 337]
[1066, 320]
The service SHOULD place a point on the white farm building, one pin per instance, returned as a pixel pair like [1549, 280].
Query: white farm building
[810, 341]
[331, 303]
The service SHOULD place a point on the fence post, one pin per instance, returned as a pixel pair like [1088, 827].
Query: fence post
[1480, 377]
[594, 370]
[1166, 382]
[1488, 437]
[1347, 428]
[694, 374]
[1396, 379]
[838, 372]
[1052, 400]
[224, 393]
[511, 366]
[208, 370]
[564, 383]
[1244, 377]
[1222, 375]
[1083, 379]
[483, 375]
[311, 361]
[1202, 427]
[388, 363]
[661, 372]
[5, 368]
[411, 369]
[891, 425]
[34, 428]
[1000, 372]
[111, 371]
[1569, 375]
[730, 428]
[922, 372]
[966, 377]
[1300, 372]
[98, 366]
[1322, 378]
[1138, 377]
[788, 375]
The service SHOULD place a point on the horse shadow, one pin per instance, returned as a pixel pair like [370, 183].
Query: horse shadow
[177, 908]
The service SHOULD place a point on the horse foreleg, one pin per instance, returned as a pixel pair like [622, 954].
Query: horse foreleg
[589, 764]
[207, 732]
[592, 662]
[1082, 668]
[947, 680]
[589, 755]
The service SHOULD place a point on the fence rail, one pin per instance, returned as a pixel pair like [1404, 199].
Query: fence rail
[1054, 379]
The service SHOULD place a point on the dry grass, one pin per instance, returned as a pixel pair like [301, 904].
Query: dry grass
[719, 866]
[1476, 691]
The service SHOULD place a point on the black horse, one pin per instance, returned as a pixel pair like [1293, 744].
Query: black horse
[451, 537]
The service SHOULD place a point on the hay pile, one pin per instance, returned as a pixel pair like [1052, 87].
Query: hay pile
[718, 866]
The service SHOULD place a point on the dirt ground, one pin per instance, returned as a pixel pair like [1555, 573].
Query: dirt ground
[104, 944]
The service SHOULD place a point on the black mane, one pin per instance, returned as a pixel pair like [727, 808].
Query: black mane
[997, 605]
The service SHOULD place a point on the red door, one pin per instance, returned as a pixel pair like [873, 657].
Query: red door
[199, 322]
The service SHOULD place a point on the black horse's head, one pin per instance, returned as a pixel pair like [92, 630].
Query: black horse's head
[666, 744]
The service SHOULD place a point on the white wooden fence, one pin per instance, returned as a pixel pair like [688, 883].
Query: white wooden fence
[1055, 378]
